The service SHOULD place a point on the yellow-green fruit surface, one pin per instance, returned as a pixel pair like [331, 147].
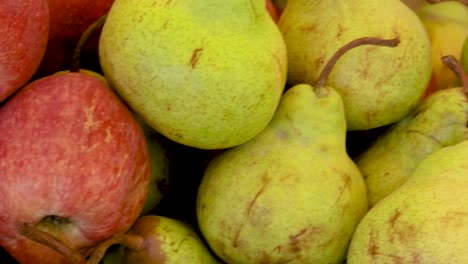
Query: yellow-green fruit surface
[205, 73]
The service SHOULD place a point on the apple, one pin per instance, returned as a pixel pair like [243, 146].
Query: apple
[68, 20]
[23, 39]
[74, 168]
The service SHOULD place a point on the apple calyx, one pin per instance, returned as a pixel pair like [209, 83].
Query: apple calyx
[44, 238]
[454, 65]
[322, 79]
[132, 242]
[75, 65]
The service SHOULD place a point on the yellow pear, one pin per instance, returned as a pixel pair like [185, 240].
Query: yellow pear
[204, 73]
[425, 220]
[378, 86]
[291, 194]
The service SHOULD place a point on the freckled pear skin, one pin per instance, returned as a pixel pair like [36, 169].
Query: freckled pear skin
[440, 121]
[378, 86]
[291, 194]
[425, 220]
[195, 72]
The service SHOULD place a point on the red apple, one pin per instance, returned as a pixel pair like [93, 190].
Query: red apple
[68, 20]
[23, 39]
[74, 163]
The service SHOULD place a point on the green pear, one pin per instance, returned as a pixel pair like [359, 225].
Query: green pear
[291, 194]
[207, 74]
[438, 122]
[425, 220]
[378, 86]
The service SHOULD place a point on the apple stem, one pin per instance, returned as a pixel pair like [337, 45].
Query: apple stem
[75, 65]
[322, 79]
[457, 68]
[47, 239]
[132, 242]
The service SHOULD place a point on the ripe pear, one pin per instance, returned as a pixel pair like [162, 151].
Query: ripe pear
[207, 74]
[438, 122]
[291, 194]
[447, 25]
[425, 220]
[378, 86]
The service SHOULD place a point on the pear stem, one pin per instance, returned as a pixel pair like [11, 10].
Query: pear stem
[322, 79]
[457, 68]
[133, 242]
[47, 239]
[75, 65]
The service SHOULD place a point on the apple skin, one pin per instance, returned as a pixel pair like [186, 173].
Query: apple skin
[69, 148]
[68, 20]
[23, 39]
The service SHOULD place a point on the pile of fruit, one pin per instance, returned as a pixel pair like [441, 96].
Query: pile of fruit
[207, 131]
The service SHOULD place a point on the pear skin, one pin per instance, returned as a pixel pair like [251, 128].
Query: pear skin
[291, 194]
[167, 241]
[438, 122]
[378, 86]
[425, 220]
[207, 74]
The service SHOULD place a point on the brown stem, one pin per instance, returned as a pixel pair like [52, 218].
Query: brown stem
[322, 79]
[75, 66]
[465, 2]
[47, 239]
[457, 68]
[132, 242]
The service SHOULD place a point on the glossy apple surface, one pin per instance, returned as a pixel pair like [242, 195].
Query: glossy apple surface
[73, 163]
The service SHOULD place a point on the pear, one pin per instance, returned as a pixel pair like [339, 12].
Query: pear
[438, 122]
[425, 220]
[291, 194]
[207, 74]
[447, 25]
[378, 86]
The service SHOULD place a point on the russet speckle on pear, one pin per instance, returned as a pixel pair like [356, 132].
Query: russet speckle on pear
[423, 221]
[439, 121]
[207, 74]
